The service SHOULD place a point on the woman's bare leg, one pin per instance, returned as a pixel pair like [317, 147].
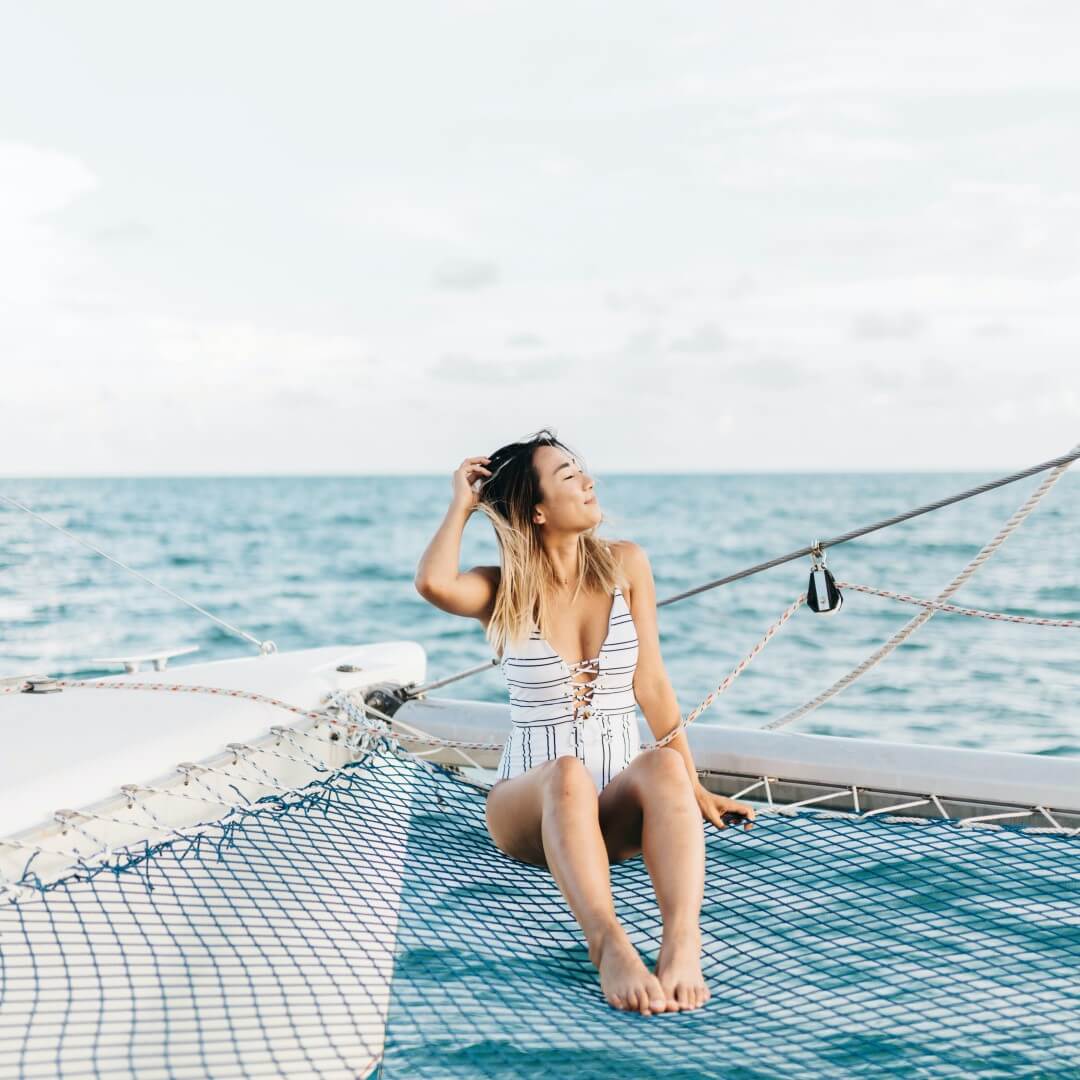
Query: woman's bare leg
[650, 808]
[673, 847]
[549, 816]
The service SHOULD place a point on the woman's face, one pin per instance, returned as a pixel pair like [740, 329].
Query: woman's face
[569, 501]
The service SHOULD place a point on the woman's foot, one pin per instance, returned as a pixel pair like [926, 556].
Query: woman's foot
[626, 982]
[678, 967]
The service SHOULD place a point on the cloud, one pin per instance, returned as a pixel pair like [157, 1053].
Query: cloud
[769, 370]
[917, 381]
[404, 217]
[465, 275]
[1023, 196]
[707, 338]
[641, 345]
[464, 368]
[994, 329]
[855, 149]
[709, 365]
[121, 234]
[875, 326]
[636, 302]
[37, 181]
[743, 285]
[37, 256]
[751, 221]
[305, 398]
[524, 341]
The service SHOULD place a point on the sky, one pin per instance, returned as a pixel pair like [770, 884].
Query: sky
[378, 238]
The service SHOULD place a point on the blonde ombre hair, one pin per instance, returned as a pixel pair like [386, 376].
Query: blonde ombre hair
[508, 498]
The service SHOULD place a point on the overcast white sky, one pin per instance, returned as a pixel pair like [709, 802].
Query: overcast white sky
[377, 237]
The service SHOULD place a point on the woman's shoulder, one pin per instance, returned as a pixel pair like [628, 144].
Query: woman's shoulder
[632, 565]
[629, 556]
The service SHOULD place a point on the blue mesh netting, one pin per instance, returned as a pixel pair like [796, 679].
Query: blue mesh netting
[366, 926]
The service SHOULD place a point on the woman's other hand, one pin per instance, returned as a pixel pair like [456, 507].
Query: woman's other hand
[464, 481]
[715, 808]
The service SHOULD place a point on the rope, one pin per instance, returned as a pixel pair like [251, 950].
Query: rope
[905, 632]
[1030, 620]
[360, 712]
[336, 699]
[739, 668]
[1060, 463]
[819, 545]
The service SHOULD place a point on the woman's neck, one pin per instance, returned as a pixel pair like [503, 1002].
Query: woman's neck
[565, 564]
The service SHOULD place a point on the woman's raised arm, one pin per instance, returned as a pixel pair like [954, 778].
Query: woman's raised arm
[438, 579]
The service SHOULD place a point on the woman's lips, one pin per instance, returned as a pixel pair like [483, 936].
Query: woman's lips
[590, 500]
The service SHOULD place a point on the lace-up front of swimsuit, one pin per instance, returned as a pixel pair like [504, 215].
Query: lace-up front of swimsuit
[553, 713]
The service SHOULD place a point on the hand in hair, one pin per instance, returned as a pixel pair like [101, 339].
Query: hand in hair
[466, 481]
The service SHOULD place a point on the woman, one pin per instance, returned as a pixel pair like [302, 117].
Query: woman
[575, 793]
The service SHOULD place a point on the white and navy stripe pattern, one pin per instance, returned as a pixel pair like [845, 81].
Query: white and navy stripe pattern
[553, 714]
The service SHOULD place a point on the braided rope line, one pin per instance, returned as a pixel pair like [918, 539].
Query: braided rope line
[925, 615]
[178, 688]
[739, 668]
[1030, 620]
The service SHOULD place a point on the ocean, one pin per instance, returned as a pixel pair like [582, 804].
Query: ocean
[320, 560]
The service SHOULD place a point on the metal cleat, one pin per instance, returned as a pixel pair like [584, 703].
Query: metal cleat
[159, 659]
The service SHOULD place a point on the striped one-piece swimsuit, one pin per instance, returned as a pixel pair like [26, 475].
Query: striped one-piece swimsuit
[553, 715]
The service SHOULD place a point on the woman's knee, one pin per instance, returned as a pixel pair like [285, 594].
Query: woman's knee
[568, 780]
[664, 766]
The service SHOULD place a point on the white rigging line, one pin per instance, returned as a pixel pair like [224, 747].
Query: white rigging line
[927, 613]
[262, 646]
[1058, 463]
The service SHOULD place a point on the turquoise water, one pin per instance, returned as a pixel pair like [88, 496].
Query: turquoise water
[312, 561]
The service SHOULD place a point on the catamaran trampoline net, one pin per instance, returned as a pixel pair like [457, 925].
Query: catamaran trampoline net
[366, 926]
